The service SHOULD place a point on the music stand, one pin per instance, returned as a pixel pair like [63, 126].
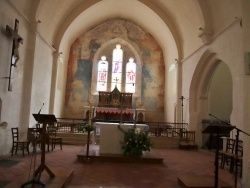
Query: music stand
[44, 119]
[217, 129]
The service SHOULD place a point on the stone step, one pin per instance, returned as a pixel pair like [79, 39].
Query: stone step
[76, 138]
[81, 139]
[165, 142]
[65, 135]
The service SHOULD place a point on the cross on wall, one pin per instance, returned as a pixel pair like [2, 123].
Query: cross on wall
[17, 39]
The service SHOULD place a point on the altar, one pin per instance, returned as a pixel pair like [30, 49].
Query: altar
[114, 114]
[111, 136]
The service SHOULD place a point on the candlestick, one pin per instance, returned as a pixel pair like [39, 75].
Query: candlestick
[135, 118]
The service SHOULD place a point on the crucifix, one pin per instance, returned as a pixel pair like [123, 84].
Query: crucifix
[17, 39]
[116, 80]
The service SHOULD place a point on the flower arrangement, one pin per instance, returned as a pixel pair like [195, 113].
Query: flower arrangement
[85, 128]
[136, 141]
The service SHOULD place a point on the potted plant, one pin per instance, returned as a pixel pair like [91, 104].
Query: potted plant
[136, 141]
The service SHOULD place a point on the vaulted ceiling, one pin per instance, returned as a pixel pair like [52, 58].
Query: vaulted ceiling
[176, 25]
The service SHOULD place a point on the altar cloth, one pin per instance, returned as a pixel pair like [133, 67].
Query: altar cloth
[111, 137]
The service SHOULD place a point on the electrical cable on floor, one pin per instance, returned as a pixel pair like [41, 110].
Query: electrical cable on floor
[33, 159]
[30, 164]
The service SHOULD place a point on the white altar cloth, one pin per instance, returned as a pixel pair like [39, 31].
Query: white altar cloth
[111, 136]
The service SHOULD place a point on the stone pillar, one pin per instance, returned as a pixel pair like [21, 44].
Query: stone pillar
[53, 82]
[179, 91]
[28, 76]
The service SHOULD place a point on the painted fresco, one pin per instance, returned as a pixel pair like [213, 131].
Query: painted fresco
[82, 76]
[81, 58]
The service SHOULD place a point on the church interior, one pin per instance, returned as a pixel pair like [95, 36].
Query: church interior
[173, 66]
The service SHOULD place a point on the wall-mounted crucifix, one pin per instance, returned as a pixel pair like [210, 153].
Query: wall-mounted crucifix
[17, 39]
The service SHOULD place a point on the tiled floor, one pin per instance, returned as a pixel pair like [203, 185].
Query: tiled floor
[111, 175]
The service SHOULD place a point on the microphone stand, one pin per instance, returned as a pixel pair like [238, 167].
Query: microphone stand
[39, 113]
[35, 180]
[236, 146]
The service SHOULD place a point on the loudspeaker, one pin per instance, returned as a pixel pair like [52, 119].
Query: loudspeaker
[247, 62]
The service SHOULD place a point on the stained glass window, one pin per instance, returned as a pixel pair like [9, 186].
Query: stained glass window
[130, 76]
[117, 68]
[121, 72]
[102, 75]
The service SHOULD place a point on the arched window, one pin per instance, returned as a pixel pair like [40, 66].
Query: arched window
[130, 76]
[102, 75]
[117, 67]
[123, 76]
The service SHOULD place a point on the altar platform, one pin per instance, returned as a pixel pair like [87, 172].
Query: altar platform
[152, 157]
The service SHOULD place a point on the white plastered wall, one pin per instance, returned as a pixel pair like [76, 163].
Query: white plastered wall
[32, 77]
[226, 47]
[41, 79]
[11, 101]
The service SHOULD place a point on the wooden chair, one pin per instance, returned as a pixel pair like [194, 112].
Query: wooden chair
[183, 144]
[34, 137]
[53, 139]
[18, 144]
[191, 140]
[187, 140]
[237, 159]
[227, 155]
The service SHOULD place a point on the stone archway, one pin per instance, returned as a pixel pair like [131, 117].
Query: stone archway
[199, 92]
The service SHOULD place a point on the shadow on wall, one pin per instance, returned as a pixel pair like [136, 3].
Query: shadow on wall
[3, 125]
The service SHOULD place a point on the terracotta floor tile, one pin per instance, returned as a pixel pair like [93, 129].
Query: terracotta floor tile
[122, 175]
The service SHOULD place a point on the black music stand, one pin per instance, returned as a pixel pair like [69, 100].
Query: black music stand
[217, 129]
[44, 119]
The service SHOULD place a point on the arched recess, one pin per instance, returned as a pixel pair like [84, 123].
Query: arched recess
[137, 60]
[199, 92]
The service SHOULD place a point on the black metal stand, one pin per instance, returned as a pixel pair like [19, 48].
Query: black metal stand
[216, 172]
[217, 129]
[87, 152]
[236, 146]
[34, 181]
[182, 121]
